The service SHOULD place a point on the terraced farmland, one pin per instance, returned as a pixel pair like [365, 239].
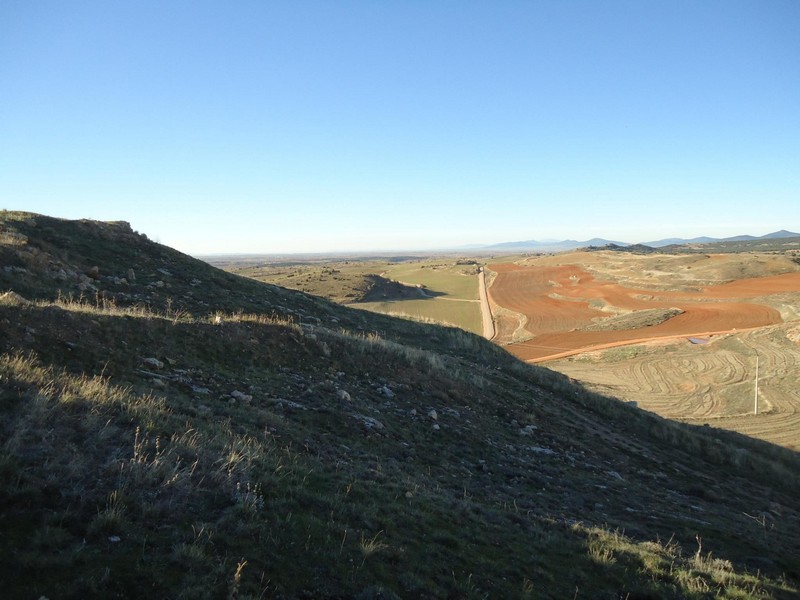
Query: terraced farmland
[712, 383]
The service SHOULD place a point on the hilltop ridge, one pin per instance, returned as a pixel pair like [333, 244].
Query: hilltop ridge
[172, 430]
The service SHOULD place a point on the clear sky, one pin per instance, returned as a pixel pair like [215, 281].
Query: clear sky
[257, 126]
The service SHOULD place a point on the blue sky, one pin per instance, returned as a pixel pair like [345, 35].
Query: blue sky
[330, 126]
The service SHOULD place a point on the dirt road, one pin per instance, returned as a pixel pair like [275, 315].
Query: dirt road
[486, 311]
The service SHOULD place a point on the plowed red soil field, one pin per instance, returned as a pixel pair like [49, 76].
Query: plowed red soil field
[557, 304]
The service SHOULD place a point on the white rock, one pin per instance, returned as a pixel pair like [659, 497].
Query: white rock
[153, 362]
[369, 422]
[241, 396]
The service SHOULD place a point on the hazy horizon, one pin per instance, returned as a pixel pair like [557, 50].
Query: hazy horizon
[315, 127]
[344, 252]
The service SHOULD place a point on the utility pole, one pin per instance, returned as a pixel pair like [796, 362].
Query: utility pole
[755, 400]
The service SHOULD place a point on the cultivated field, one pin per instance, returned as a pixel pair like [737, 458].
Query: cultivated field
[711, 383]
[626, 320]
[560, 305]
[448, 293]
[440, 290]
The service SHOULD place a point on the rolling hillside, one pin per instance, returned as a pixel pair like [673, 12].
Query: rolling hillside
[170, 430]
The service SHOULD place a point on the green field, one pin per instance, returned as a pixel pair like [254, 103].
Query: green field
[452, 279]
[453, 287]
[438, 290]
[466, 315]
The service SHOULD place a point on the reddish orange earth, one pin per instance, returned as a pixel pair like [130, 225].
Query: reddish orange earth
[558, 301]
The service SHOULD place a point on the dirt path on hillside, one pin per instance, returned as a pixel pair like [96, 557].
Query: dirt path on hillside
[486, 310]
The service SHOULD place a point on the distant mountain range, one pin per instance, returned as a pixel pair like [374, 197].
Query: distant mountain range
[709, 240]
[557, 246]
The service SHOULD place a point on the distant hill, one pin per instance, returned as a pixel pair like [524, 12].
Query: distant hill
[169, 430]
[780, 234]
[564, 245]
[548, 246]
[709, 240]
[678, 241]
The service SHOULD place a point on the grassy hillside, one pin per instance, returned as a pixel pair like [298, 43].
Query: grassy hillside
[210, 436]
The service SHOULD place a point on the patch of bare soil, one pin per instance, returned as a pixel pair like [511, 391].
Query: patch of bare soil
[560, 304]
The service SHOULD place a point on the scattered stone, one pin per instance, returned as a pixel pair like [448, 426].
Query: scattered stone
[200, 390]
[368, 422]
[433, 414]
[293, 405]
[131, 275]
[343, 395]
[545, 451]
[386, 391]
[528, 430]
[413, 412]
[60, 275]
[164, 272]
[153, 362]
[195, 282]
[436, 427]
[241, 396]
[114, 539]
